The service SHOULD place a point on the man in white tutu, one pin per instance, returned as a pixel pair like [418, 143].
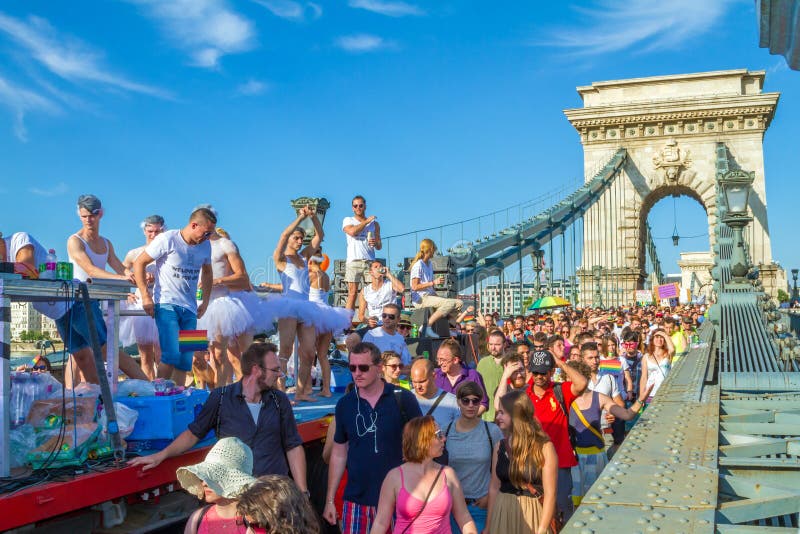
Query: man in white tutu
[137, 329]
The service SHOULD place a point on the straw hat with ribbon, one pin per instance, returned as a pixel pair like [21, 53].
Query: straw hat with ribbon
[227, 470]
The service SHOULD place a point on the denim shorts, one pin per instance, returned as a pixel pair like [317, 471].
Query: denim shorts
[478, 515]
[74, 328]
[170, 320]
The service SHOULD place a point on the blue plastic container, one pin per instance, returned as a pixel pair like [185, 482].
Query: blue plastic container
[340, 377]
[164, 418]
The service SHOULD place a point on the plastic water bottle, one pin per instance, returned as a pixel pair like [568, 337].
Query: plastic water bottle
[49, 272]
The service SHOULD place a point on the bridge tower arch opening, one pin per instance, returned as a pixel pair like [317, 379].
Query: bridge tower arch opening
[670, 127]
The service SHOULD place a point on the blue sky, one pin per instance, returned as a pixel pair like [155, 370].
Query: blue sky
[435, 111]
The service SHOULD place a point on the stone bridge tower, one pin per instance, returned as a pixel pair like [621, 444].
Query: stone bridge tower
[670, 126]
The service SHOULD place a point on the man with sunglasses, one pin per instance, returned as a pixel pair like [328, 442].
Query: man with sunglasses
[368, 440]
[552, 410]
[182, 258]
[253, 411]
[386, 337]
[363, 236]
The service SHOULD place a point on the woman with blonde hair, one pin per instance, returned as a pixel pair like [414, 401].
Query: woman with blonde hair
[273, 504]
[423, 294]
[421, 493]
[522, 492]
[656, 363]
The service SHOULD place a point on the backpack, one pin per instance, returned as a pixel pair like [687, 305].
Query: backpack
[558, 393]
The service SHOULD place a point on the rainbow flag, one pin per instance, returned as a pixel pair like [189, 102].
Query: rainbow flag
[192, 340]
[610, 366]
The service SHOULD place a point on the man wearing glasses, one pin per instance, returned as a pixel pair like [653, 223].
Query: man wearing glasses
[387, 338]
[363, 235]
[182, 258]
[253, 411]
[368, 440]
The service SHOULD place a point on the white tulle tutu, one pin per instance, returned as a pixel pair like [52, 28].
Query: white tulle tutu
[226, 317]
[260, 308]
[330, 319]
[304, 311]
[137, 330]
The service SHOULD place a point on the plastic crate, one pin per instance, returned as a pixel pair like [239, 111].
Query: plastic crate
[149, 446]
[340, 376]
[164, 418]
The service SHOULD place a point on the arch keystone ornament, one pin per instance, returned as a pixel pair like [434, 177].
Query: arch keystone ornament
[669, 127]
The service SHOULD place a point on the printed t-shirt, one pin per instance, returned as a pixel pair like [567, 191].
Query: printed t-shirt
[553, 420]
[178, 266]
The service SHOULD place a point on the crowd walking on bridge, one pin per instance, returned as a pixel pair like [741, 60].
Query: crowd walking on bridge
[506, 442]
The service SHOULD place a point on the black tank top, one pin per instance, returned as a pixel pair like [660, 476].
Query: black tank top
[501, 470]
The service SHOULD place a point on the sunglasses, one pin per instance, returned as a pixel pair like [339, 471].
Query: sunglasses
[392, 365]
[206, 235]
[40, 368]
[470, 401]
[404, 327]
[388, 316]
[250, 525]
[363, 367]
[439, 434]
[359, 205]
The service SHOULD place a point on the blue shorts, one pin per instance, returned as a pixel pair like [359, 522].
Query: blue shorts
[74, 328]
[170, 320]
[478, 515]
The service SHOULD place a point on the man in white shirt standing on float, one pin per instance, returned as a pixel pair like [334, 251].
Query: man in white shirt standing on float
[182, 258]
[363, 235]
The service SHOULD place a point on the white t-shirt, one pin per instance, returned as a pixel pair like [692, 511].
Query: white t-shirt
[376, 299]
[178, 266]
[386, 341]
[607, 386]
[357, 246]
[15, 243]
[423, 271]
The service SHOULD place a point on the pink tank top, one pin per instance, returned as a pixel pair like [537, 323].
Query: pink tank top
[212, 523]
[434, 519]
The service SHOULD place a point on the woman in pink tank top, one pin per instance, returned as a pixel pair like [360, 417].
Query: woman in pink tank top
[422, 493]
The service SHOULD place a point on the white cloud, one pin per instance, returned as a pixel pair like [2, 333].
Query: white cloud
[388, 8]
[291, 10]
[363, 42]
[68, 57]
[252, 88]
[59, 189]
[22, 101]
[641, 24]
[206, 29]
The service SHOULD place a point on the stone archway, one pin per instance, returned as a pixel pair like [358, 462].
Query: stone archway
[670, 127]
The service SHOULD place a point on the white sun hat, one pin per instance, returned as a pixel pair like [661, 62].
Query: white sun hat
[227, 470]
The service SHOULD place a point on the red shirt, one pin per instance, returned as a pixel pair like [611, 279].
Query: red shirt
[553, 420]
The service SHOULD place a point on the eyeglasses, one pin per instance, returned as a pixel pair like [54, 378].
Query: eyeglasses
[404, 327]
[363, 367]
[250, 525]
[389, 316]
[439, 434]
[392, 365]
[359, 205]
[470, 401]
[440, 362]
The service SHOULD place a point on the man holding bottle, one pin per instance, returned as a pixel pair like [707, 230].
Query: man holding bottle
[363, 235]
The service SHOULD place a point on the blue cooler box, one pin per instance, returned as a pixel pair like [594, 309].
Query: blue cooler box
[340, 376]
[164, 417]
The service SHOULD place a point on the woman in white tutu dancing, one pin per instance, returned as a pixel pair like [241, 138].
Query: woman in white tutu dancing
[296, 314]
[141, 330]
[228, 322]
[329, 320]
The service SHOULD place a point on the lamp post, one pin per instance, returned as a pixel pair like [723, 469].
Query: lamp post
[320, 205]
[597, 272]
[573, 297]
[736, 188]
[538, 255]
[795, 295]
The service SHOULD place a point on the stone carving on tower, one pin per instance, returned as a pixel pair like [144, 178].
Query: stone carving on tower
[672, 161]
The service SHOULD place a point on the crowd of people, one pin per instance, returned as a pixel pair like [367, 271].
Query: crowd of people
[508, 443]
